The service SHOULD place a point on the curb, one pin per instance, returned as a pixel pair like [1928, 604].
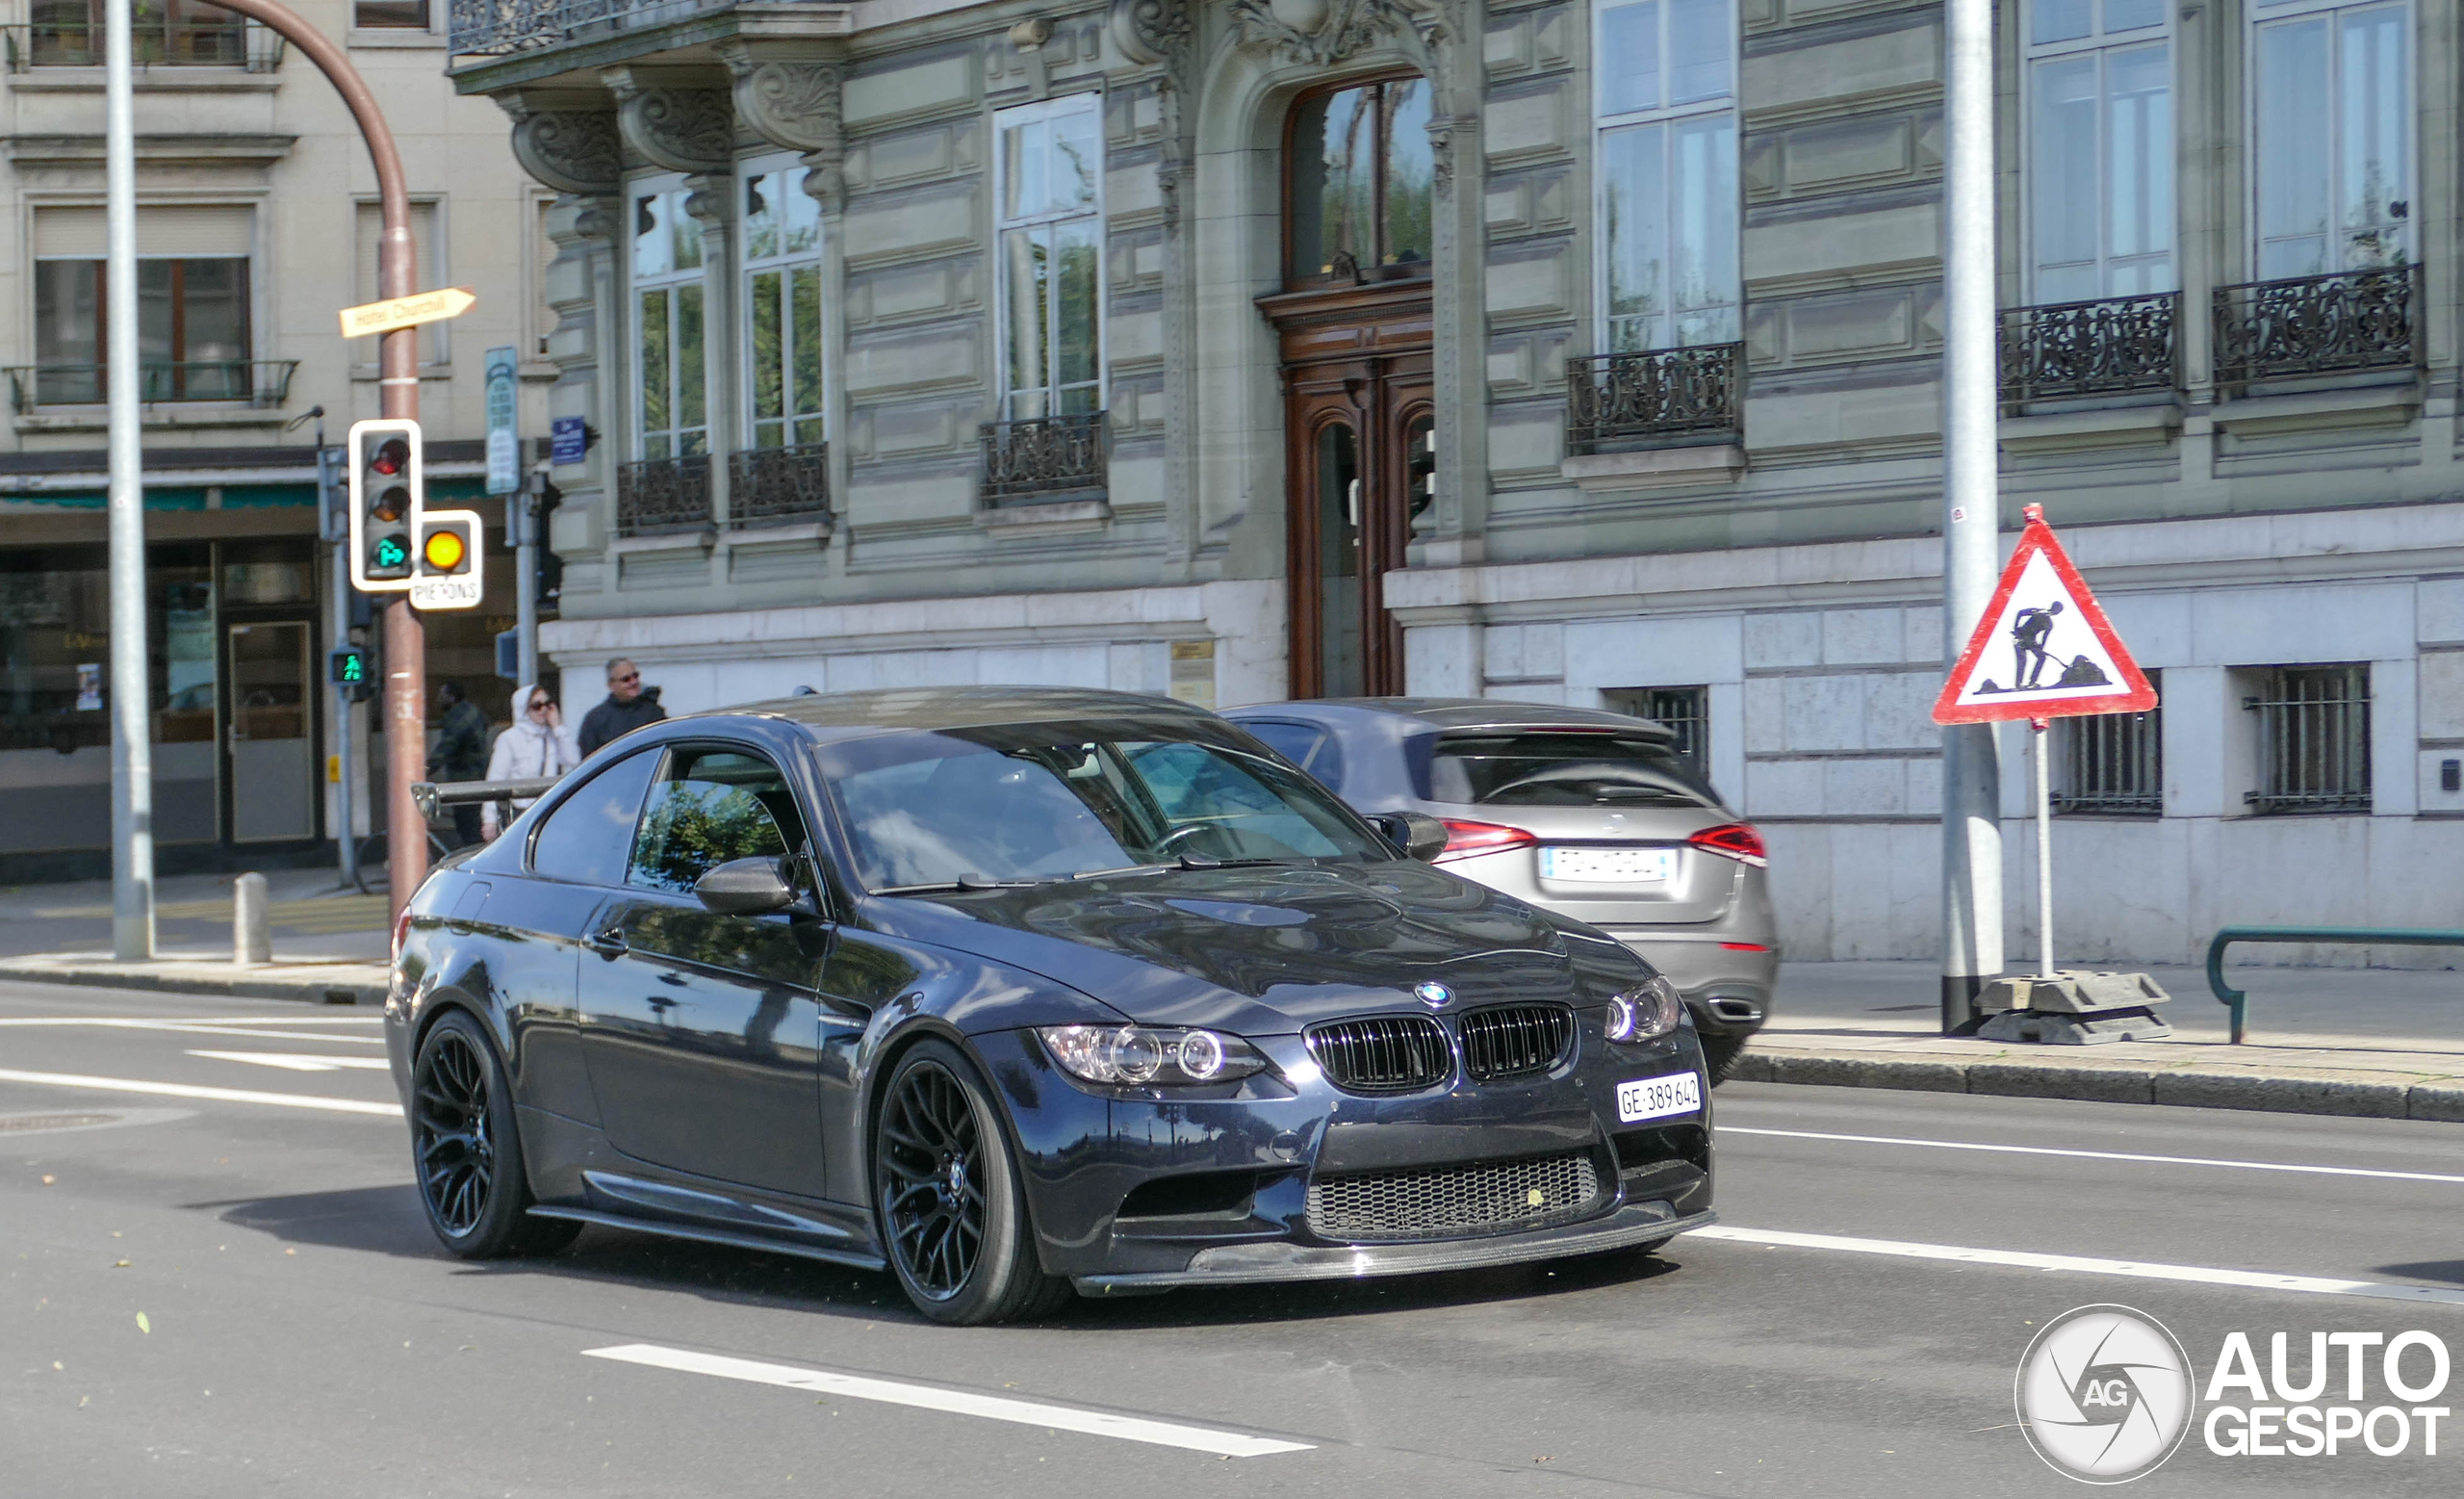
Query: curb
[337, 984]
[2366, 1095]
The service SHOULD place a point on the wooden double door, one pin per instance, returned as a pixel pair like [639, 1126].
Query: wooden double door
[1360, 464]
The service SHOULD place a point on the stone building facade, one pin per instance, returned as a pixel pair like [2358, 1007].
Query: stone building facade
[1574, 351]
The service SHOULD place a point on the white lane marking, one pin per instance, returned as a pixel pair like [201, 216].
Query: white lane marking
[289, 1100]
[992, 1408]
[2138, 1270]
[176, 1022]
[2101, 1155]
[298, 1061]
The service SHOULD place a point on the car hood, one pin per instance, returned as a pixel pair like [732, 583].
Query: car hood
[1265, 951]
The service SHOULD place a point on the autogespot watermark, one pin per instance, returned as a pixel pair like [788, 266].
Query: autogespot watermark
[2106, 1394]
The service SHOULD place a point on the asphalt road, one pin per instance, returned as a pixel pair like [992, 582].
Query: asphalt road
[226, 1288]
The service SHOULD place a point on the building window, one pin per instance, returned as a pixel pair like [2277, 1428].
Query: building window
[1049, 186]
[1364, 179]
[671, 402]
[2100, 147]
[192, 330]
[2332, 119]
[2111, 765]
[782, 307]
[1666, 73]
[428, 269]
[2314, 739]
[389, 15]
[164, 32]
[1685, 711]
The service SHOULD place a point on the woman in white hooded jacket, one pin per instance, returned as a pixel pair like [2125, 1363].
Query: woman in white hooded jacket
[538, 745]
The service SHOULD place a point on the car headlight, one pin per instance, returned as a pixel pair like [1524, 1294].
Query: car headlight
[1143, 1055]
[1646, 1011]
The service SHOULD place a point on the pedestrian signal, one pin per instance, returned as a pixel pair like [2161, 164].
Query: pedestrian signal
[449, 574]
[387, 494]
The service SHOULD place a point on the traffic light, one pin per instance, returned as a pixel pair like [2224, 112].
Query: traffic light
[447, 571]
[354, 672]
[388, 490]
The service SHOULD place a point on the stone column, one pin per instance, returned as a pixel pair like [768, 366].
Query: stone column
[1162, 34]
[1455, 532]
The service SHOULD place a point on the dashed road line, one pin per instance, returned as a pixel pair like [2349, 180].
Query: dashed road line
[2101, 1155]
[287, 1100]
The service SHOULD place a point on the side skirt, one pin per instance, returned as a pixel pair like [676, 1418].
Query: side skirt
[853, 1258]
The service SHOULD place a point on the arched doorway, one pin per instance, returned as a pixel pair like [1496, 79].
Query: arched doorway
[1353, 327]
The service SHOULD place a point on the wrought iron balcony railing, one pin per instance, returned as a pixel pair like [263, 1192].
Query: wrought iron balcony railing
[1656, 397]
[159, 43]
[663, 495]
[259, 382]
[1046, 458]
[2349, 319]
[2104, 348]
[779, 486]
[519, 25]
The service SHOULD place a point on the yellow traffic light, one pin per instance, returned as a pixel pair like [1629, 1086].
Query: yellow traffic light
[445, 551]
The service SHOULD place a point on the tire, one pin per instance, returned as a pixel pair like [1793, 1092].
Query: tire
[948, 1200]
[465, 1149]
[1720, 1055]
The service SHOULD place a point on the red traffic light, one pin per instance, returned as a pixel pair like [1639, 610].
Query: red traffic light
[392, 455]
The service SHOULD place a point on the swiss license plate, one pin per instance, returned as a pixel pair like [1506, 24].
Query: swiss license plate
[1609, 865]
[1657, 1097]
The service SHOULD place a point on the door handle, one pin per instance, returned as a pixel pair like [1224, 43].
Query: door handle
[607, 944]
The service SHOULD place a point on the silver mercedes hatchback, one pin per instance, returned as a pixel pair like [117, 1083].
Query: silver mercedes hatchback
[1592, 815]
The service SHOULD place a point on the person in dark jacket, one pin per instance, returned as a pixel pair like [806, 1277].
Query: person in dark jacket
[461, 752]
[629, 704]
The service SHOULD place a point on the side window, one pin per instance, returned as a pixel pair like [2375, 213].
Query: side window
[1306, 745]
[586, 837]
[709, 807]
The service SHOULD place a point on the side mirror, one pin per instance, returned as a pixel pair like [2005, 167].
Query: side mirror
[1415, 834]
[745, 887]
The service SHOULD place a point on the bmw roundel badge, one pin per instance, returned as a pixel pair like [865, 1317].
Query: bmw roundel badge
[1434, 995]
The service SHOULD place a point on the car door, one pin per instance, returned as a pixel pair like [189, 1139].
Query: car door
[703, 1032]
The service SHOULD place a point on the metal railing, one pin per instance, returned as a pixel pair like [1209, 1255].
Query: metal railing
[496, 26]
[2314, 740]
[258, 382]
[2349, 319]
[159, 43]
[2113, 764]
[1653, 398]
[2108, 347]
[2238, 1003]
[776, 487]
[660, 496]
[1044, 459]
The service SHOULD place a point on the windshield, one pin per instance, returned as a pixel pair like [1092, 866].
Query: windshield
[1049, 801]
[1561, 769]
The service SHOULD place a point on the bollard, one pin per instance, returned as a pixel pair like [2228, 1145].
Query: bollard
[251, 939]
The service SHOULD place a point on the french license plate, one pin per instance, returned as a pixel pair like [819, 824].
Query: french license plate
[1609, 865]
[1657, 1097]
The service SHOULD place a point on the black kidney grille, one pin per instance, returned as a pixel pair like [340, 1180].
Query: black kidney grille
[1381, 1053]
[1515, 1039]
[1435, 1202]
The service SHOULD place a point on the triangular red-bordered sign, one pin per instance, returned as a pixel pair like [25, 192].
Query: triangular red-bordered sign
[2063, 656]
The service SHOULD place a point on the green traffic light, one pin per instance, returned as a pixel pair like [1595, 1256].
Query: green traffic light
[354, 668]
[392, 551]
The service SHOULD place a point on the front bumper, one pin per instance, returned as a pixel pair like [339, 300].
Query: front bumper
[1129, 1190]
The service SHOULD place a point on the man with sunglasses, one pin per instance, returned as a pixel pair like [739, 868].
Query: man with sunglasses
[629, 704]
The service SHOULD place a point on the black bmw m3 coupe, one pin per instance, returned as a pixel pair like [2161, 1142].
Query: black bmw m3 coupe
[1017, 991]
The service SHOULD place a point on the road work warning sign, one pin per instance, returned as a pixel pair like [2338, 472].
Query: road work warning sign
[2042, 648]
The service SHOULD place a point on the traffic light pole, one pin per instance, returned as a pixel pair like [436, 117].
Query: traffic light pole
[405, 696]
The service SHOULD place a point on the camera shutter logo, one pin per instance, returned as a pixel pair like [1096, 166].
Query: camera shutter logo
[2104, 1394]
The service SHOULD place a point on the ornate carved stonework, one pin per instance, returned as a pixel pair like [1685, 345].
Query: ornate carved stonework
[1321, 32]
[792, 104]
[680, 129]
[1154, 31]
[570, 150]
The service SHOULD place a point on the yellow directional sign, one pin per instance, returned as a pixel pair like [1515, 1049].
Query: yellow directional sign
[403, 312]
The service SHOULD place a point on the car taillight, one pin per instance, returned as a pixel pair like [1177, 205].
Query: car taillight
[1463, 840]
[401, 930]
[1736, 841]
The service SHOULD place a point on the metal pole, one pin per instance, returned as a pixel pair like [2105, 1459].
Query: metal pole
[1971, 777]
[398, 382]
[2042, 733]
[130, 692]
[329, 495]
[526, 576]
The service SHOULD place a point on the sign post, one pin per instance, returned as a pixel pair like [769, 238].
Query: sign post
[2044, 649]
[504, 449]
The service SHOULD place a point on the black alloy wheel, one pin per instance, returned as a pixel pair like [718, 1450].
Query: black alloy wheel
[1720, 1055]
[953, 1217]
[467, 1151]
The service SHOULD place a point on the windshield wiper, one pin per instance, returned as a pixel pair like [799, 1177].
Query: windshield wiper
[964, 882]
[1193, 862]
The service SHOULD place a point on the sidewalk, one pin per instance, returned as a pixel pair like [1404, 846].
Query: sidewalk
[2382, 1043]
[330, 944]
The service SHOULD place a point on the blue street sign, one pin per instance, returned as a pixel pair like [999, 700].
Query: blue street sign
[504, 453]
[570, 440]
